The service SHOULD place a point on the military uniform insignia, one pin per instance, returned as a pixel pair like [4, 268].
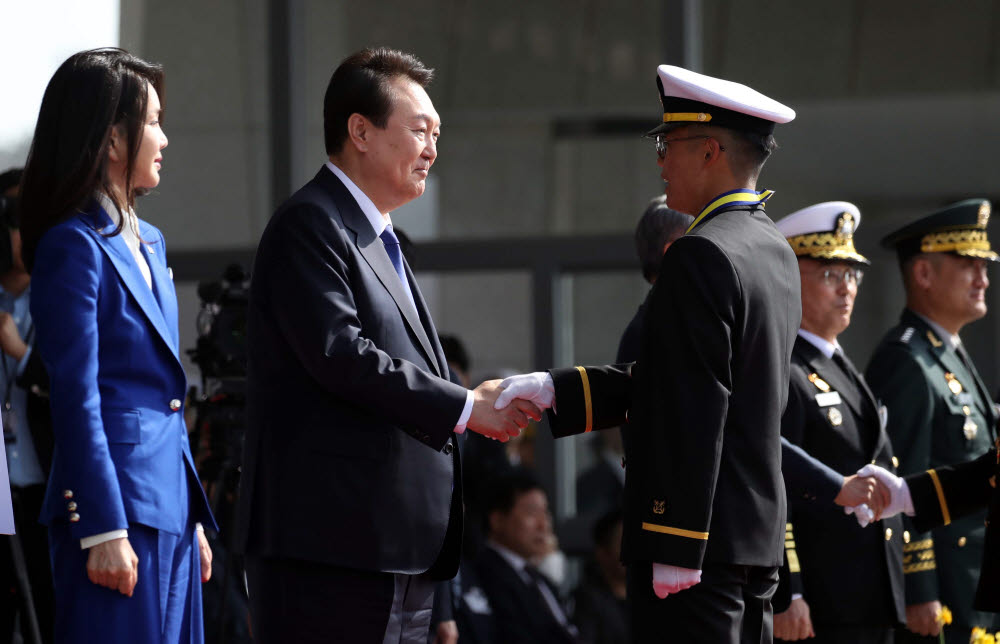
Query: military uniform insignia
[819, 382]
[969, 429]
[933, 340]
[845, 226]
[659, 507]
[835, 417]
[984, 215]
[953, 384]
[907, 334]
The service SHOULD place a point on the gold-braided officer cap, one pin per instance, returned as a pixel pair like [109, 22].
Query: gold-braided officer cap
[824, 231]
[959, 229]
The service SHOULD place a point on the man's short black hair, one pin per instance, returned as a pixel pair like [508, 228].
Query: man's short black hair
[362, 85]
[506, 490]
[658, 226]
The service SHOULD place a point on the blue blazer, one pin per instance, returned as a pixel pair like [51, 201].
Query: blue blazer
[110, 345]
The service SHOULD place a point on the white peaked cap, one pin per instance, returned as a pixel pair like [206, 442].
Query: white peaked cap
[824, 231]
[819, 218]
[690, 97]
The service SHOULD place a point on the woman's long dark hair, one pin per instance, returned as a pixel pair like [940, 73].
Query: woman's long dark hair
[90, 93]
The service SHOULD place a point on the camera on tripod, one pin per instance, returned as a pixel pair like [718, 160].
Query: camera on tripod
[221, 354]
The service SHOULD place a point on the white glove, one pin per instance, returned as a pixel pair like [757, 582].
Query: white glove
[900, 491]
[862, 513]
[673, 579]
[536, 388]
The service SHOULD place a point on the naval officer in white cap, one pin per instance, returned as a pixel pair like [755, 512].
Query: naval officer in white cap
[704, 498]
[832, 414]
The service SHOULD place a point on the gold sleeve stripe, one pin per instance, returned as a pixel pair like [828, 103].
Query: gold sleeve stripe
[793, 562]
[945, 515]
[678, 532]
[588, 405]
[923, 566]
[923, 544]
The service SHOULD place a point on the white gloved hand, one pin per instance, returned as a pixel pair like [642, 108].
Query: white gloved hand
[537, 388]
[673, 579]
[862, 513]
[898, 489]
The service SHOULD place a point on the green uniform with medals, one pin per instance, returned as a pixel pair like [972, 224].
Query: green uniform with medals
[940, 413]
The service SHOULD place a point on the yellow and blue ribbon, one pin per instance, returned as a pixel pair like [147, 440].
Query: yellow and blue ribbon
[729, 199]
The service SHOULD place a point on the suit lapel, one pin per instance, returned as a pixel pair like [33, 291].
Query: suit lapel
[428, 323]
[121, 258]
[372, 249]
[828, 370]
[850, 392]
[163, 286]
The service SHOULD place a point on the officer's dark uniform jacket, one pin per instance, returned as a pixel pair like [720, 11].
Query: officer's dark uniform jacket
[833, 415]
[939, 413]
[946, 493]
[703, 446]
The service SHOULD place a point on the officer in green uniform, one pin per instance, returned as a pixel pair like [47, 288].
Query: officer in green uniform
[939, 409]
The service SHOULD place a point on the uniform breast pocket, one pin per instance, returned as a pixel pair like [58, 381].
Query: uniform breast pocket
[121, 426]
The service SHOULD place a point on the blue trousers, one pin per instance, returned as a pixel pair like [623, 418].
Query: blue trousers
[165, 607]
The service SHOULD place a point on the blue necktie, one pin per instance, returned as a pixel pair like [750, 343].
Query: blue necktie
[391, 243]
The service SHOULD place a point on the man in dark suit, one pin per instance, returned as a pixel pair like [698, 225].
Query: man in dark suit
[658, 227]
[351, 500]
[939, 409]
[704, 497]
[832, 414]
[525, 605]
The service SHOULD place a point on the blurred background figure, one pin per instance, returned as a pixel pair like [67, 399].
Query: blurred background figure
[658, 228]
[525, 604]
[600, 609]
[27, 432]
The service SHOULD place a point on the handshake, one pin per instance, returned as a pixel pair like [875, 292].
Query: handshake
[501, 409]
[874, 493]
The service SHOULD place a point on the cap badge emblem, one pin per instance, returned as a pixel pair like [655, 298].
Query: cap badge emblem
[984, 214]
[819, 382]
[845, 225]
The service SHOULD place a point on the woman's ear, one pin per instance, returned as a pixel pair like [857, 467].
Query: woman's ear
[117, 149]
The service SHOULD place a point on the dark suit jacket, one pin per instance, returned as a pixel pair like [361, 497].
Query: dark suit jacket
[519, 612]
[704, 451]
[350, 457]
[631, 342]
[833, 415]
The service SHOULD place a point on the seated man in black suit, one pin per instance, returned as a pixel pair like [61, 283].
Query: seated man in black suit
[599, 610]
[524, 604]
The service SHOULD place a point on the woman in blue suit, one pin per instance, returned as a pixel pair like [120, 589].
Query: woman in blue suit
[123, 503]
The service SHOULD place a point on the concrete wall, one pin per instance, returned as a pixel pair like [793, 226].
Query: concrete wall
[897, 103]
